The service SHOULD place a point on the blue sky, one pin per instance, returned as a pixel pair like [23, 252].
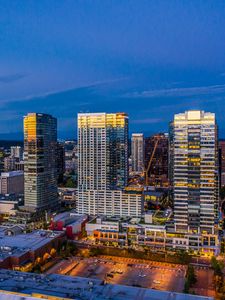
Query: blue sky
[150, 59]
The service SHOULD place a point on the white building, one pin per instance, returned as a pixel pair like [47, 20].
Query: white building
[110, 203]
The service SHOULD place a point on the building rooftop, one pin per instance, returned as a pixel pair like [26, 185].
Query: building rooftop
[16, 245]
[80, 288]
[12, 174]
[69, 216]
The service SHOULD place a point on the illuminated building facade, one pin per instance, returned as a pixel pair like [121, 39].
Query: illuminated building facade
[137, 152]
[156, 159]
[194, 171]
[103, 163]
[40, 171]
[103, 151]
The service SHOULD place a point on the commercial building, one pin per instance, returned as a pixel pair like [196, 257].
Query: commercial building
[40, 170]
[137, 152]
[20, 251]
[194, 172]
[9, 204]
[147, 232]
[156, 160]
[68, 197]
[70, 222]
[103, 151]
[12, 182]
[110, 203]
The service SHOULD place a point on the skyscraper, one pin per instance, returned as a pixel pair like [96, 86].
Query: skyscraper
[103, 166]
[194, 171]
[40, 171]
[156, 159]
[137, 152]
[103, 151]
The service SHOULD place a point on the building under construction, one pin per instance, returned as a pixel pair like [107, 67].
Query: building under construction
[156, 160]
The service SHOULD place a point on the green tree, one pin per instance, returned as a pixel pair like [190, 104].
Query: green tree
[70, 183]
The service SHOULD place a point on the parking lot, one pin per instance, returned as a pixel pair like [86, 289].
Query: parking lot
[126, 271]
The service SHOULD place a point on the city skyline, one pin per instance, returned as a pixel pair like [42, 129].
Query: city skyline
[112, 149]
[171, 60]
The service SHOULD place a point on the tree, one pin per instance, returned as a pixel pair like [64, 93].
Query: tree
[217, 266]
[70, 183]
[191, 279]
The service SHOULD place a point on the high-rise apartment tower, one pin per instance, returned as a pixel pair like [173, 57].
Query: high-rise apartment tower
[103, 151]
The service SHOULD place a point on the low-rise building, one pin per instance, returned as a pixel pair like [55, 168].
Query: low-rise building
[67, 197]
[9, 204]
[70, 222]
[19, 250]
[143, 232]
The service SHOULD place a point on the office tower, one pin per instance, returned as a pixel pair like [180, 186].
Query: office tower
[60, 162]
[40, 171]
[102, 151]
[12, 182]
[137, 152]
[194, 171]
[156, 160]
[17, 152]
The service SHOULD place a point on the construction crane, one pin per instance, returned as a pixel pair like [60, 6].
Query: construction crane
[150, 161]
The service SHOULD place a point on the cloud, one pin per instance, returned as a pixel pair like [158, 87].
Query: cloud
[90, 86]
[147, 121]
[178, 92]
[11, 78]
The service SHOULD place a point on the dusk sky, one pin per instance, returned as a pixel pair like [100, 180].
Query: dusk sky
[150, 59]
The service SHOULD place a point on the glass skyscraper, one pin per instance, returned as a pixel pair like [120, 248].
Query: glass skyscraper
[103, 151]
[40, 152]
[194, 171]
